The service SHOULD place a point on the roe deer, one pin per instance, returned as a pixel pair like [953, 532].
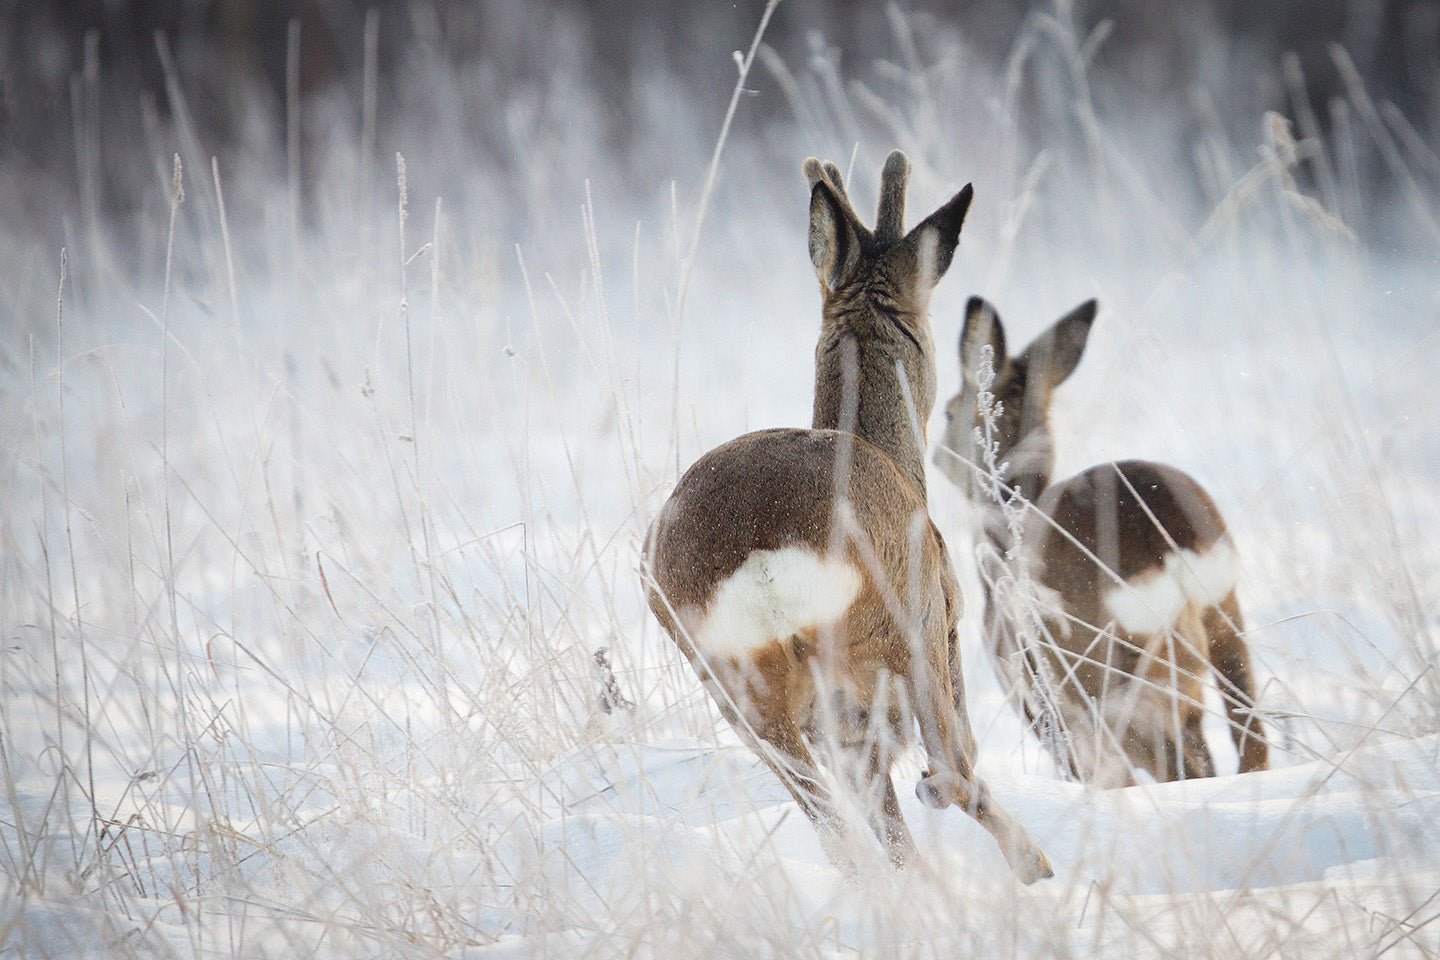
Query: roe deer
[1135, 571]
[798, 570]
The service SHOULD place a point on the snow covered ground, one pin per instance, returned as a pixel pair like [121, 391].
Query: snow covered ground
[308, 543]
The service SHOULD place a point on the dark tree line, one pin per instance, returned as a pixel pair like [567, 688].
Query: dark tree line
[230, 56]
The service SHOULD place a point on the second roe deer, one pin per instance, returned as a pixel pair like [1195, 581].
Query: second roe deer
[798, 570]
[1135, 569]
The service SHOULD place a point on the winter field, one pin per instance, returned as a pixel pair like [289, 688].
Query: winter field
[323, 482]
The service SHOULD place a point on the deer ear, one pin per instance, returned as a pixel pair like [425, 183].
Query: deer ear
[982, 328]
[934, 239]
[1056, 352]
[814, 171]
[834, 241]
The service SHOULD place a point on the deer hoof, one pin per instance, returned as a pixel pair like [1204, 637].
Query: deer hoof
[1033, 865]
[929, 792]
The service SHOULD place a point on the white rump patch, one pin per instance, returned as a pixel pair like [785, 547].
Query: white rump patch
[1154, 600]
[772, 595]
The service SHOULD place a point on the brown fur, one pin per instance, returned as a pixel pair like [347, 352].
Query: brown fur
[1110, 523]
[848, 691]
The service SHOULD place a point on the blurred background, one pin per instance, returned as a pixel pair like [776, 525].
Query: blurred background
[79, 78]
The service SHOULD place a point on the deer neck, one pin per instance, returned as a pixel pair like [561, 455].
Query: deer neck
[1029, 467]
[859, 388]
[1003, 531]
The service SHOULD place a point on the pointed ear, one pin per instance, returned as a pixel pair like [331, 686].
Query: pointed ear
[1056, 352]
[982, 328]
[935, 237]
[834, 239]
[814, 171]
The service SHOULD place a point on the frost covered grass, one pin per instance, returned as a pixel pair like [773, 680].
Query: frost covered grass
[321, 489]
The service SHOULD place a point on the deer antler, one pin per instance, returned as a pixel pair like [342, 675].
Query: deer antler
[890, 219]
[894, 179]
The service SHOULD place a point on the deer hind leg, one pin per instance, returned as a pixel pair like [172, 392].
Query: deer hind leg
[888, 824]
[1230, 658]
[1192, 658]
[780, 742]
[1142, 720]
[869, 768]
[867, 730]
[950, 747]
[1092, 750]
[764, 700]
[1144, 746]
[1183, 757]
[963, 731]
[1168, 723]
[1195, 754]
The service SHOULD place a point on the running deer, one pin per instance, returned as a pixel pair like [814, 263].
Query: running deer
[799, 571]
[1134, 570]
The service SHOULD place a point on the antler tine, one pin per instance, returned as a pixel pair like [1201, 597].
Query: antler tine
[894, 178]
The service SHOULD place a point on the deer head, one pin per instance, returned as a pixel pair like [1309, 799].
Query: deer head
[875, 290]
[1019, 389]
